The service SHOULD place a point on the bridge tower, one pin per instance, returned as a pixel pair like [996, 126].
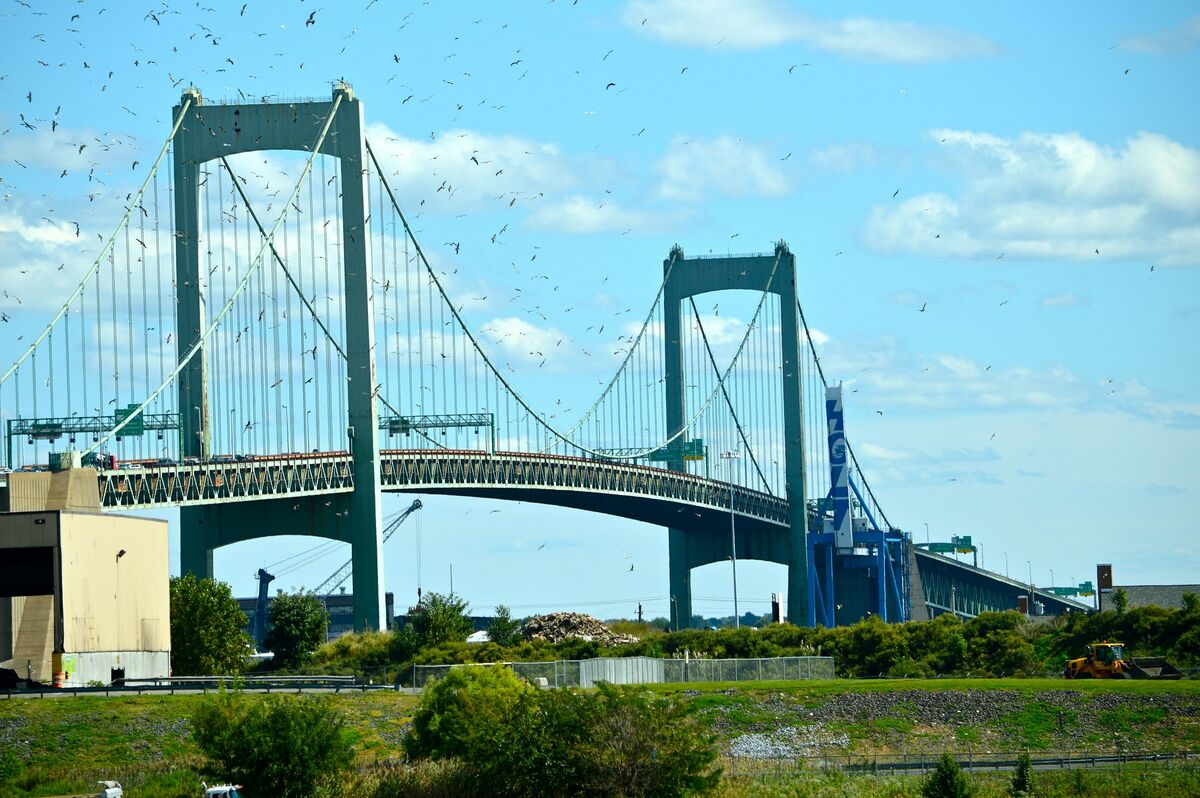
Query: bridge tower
[688, 549]
[209, 132]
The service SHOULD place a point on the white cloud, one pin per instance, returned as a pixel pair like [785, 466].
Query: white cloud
[692, 169]
[886, 378]
[754, 24]
[55, 234]
[1180, 39]
[442, 173]
[1063, 300]
[1053, 196]
[517, 342]
[580, 214]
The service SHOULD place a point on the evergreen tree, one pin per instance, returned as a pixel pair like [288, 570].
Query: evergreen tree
[947, 781]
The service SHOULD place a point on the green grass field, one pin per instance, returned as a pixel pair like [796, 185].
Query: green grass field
[60, 745]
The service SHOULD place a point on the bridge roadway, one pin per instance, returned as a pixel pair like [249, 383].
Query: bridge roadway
[641, 493]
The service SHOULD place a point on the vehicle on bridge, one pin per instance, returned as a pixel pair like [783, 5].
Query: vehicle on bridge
[1107, 660]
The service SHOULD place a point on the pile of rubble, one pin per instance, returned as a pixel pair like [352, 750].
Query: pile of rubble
[557, 626]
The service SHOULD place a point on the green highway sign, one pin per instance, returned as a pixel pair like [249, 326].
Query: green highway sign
[688, 450]
[136, 425]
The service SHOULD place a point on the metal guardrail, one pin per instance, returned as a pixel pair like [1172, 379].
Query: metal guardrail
[205, 684]
[909, 763]
[190, 680]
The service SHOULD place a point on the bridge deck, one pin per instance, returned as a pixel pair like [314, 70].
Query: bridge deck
[655, 495]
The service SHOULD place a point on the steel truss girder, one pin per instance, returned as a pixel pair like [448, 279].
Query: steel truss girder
[178, 486]
[433, 469]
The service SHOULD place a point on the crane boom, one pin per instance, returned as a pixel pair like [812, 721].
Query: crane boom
[339, 576]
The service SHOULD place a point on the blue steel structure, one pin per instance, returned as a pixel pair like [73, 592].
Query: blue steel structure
[855, 567]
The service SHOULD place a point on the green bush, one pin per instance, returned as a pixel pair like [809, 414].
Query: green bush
[947, 781]
[464, 710]
[1022, 780]
[641, 744]
[10, 765]
[521, 741]
[283, 746]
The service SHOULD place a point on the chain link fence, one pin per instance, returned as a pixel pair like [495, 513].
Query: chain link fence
[649, 670]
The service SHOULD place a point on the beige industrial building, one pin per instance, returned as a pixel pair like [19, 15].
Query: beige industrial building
[84, 596]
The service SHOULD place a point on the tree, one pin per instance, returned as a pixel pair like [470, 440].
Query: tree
[947, 781]
[504, 629]
[208, 628]
[440, 618]
[464, 710]
[285, 746]
[1022, 780]
[298, 625]
[1120, 600]
[521, 741]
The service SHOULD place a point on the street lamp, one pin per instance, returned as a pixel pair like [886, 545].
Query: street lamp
[733, 455]
[1051, 577]
[926, 532]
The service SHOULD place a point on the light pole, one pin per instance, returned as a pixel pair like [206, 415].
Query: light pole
[732, 455]
[1051, 577]
[1006, 564]
[926, 532]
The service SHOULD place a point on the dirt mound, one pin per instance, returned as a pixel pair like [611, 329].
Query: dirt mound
[558, 626]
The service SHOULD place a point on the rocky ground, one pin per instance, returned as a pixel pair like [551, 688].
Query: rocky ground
[558, 626]
[780, 725]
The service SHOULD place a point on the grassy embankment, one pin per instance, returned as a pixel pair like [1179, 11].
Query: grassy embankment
[65, 744]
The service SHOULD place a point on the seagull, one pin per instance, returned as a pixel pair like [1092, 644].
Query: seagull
[922, 310]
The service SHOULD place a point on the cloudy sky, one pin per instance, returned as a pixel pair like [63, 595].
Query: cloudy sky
[996, 213]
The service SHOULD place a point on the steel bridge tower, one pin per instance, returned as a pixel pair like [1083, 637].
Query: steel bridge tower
[210, 132]
[688, 549]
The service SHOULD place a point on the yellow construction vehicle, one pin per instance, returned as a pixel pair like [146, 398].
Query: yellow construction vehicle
[1107, 660]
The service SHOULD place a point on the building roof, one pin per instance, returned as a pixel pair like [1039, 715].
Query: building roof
[1169, 596]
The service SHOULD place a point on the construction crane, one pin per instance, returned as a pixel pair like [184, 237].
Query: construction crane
[335, 580]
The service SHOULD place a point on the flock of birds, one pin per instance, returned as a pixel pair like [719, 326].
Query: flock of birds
[126, 71]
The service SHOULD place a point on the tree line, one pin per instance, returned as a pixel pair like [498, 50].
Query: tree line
[208, 637]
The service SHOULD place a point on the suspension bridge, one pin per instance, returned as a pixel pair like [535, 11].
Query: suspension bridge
[271, 361]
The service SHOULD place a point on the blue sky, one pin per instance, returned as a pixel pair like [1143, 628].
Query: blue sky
[1016, 170]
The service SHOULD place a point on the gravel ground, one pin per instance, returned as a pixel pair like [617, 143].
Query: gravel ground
[782, 727]
[787, 742]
